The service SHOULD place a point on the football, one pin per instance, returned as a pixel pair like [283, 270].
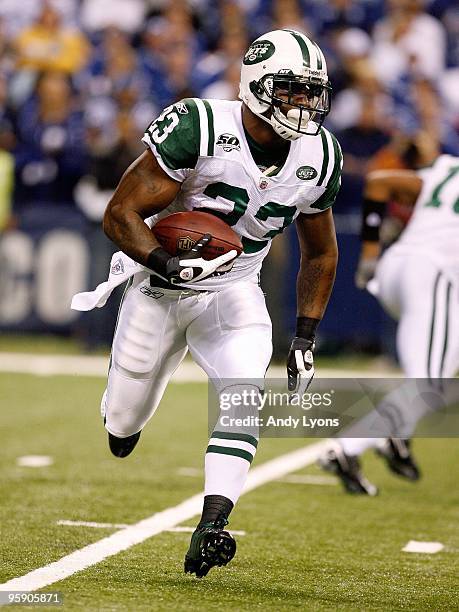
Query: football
[178, 232]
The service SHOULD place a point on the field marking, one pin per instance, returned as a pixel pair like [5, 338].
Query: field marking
[190, 471]
[92, 524]
[310, 479]
[157, 523]
[34, 461]
[97, 366]
[191, 529]
[428, 548]
[95, 525]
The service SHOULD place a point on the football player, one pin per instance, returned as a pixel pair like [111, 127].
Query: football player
[417, 282]
[259, 164]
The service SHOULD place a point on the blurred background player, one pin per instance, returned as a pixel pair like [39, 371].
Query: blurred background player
[417, 282]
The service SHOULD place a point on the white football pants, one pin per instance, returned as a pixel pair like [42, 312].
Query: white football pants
[425, 300]
[228, 334]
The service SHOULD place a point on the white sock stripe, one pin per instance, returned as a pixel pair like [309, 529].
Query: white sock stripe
[250, 448]
[203, 126]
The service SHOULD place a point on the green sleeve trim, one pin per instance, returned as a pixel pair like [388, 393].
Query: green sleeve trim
[210, 126]
[176, 135]
[328, 198]
[326, 156]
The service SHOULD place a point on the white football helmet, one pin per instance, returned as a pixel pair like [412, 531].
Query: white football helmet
[284, 81]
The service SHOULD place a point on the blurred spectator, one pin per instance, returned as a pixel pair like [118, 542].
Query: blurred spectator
[409, 39]
[168, 57]
[335, 15]
[228, 56]
[114, 66]
[113, 143]
[51, 152]
[6, 188]
[360, 142]
[127, 15]
[287, 15]
[7, 135]
[226, 88]
[48, 45]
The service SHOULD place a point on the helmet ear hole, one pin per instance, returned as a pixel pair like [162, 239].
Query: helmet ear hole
[256, 88]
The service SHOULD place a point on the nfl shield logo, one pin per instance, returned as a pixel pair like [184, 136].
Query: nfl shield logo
[184, 243]
[117, 267]
[263, 183]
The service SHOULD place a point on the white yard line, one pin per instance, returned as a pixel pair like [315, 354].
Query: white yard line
[314, 479]
[190, 471]
[191, 529]
[92, 524]
[96, 525]
[90, 365]
[162, 521]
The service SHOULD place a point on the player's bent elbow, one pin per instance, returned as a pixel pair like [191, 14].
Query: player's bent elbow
[111, 219]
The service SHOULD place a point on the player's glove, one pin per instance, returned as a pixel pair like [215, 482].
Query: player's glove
[365, 272]
[189, 267]
[300, 365]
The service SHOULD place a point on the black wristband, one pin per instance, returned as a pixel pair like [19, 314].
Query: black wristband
[373, 213]
[157, 261]
[306, 327]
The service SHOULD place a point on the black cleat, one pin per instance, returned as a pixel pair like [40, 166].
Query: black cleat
[399, 460]
[122, 447]
[210, 546]
[347, 468]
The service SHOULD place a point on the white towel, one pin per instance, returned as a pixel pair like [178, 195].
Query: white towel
[122, 268]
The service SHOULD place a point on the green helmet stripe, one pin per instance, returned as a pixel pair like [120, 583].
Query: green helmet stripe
[303, 46]
[319, 55]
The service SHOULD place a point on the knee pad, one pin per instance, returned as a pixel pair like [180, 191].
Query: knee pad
[137, 343]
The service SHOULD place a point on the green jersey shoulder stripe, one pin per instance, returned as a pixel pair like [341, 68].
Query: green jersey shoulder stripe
[206, 120]
[210, 128]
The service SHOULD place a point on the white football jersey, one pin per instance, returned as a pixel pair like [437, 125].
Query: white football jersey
[202, 144]
[434, 226]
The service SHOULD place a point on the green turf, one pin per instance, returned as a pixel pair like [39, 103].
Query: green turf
[62, 345]
[307, 547]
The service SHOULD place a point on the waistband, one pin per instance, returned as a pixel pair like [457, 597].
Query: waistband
[157, 281]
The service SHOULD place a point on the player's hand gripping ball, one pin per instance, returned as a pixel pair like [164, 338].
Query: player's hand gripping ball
[200, 245]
